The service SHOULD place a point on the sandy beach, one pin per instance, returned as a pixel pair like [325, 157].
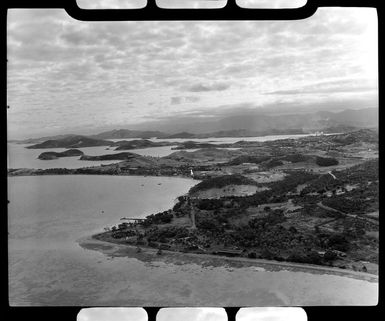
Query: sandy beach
[149, 254]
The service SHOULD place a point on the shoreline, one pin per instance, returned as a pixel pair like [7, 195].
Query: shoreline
[373, 274]
[95, 174]
[218, 214]
[116, 249]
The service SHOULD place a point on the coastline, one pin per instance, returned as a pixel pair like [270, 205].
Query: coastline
[293, 229]
[94, 242]
[116, 249]
[96, 174]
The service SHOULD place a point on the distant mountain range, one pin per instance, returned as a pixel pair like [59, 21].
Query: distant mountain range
[266, 122]
[43, 139]
[72, 141]
[138, 143]
[237, 125]
[126, 133]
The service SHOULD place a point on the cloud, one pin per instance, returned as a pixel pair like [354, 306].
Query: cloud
[340, 86]
[176, 100]
[184, 99]
[192, 99]
[56, 63]
[208, 87]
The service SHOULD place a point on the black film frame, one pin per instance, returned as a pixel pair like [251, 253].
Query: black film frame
[150, 13]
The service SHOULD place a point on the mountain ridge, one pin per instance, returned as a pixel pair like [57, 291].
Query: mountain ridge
[244, 125]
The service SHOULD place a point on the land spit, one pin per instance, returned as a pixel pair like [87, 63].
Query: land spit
[114, 249]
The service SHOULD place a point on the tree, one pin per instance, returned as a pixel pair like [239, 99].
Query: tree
[338, 242]
[330, 256]
[326, 161]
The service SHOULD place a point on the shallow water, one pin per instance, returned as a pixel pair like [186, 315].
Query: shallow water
[47, 214]
[47, 266]
[62, 208]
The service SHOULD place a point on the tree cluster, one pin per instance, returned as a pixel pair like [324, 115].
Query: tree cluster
[326, 161]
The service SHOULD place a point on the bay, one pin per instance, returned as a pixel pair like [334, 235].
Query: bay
[48, 265]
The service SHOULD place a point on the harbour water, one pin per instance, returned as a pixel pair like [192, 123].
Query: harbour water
[48, 215]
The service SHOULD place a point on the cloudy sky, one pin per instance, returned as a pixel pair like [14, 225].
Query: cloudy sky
[69, 76]
[112, 314]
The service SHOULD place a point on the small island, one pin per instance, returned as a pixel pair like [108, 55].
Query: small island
[55, 155]
[117, 156]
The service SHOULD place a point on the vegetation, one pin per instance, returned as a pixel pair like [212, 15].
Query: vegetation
[193, 145]
[338, 242]
[348, 204]
[278, 190]
[116, 156]
[210, 224]
[248, 159]
[162, 235]
[362, 135]
[222, 181]
[326, 161]
[295, 158]
[54, 155]
[159, 218]
[209, 204]
[367, 170]
[272, 163]
[301, 256]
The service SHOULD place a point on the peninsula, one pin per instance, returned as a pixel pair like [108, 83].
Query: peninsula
[309, 200]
